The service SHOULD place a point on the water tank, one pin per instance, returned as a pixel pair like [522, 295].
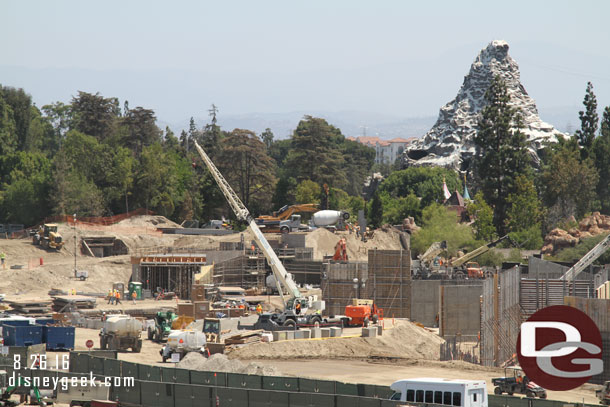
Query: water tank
[123, 325]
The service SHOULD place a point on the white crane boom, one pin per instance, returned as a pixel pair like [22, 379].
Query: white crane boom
[242, 213]
[587, 259]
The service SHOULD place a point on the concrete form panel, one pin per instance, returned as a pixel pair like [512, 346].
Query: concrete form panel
[459, 310]
[424, 301]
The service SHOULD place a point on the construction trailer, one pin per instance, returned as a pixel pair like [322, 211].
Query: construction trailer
[168, 272]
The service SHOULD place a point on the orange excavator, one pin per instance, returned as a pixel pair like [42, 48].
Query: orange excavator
[340, 250]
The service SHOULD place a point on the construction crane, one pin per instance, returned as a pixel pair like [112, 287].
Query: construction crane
[242, 213]
[586, 260]
[479, 251]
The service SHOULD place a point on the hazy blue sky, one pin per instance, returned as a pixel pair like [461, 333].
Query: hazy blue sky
[402, 58]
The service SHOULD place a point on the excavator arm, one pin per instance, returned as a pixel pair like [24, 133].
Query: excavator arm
[479, 251]
[242, 213]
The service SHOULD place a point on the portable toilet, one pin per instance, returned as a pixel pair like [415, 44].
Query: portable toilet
[137, 287]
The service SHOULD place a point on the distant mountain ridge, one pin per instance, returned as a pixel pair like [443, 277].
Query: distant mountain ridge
[351, 123]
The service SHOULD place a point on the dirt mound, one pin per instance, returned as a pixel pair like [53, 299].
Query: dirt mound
[593, 225]
[221, 363]
[405, 340]
[149, 221]
[324, 241]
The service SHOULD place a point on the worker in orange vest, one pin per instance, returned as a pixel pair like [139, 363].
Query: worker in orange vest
[118, 297]
[259, 309]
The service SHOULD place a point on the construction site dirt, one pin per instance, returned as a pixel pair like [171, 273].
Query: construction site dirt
[404, 350]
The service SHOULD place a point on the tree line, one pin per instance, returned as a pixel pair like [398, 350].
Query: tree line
[94, 157]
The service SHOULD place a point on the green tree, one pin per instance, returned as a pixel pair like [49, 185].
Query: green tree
[567, 183]
[600, 154]
[375, 212]
[141, 129]
[247, 167]
[359, 159]
[483, 218]
[284, 193]
[20, 104]
[501, 150]
[395, 210]
[8, 129]
[155, 179]
[25, 190]
[588, 122]
[424, 182]
[315, 154]
[267, 137]
[307, 191]
[438, 224]
[95, 115]
[525, 215]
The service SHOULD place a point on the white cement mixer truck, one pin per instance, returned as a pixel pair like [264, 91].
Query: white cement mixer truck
[328, 219]
[121, 332]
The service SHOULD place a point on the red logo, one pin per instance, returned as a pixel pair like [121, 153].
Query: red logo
[559, 348]
[89, 343]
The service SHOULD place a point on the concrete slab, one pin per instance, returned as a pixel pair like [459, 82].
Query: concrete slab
[379, 330]
[290, 335]
[316, 333]
[325, 332]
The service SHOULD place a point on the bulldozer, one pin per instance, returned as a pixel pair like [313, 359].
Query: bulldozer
[48, 237]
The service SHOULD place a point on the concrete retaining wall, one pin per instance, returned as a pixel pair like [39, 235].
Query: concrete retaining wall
[460, 310]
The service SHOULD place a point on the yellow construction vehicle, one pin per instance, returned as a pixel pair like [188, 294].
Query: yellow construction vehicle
[47, 236]
[285, 219]
[286, 211]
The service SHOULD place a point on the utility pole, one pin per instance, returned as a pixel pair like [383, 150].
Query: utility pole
[74, 229]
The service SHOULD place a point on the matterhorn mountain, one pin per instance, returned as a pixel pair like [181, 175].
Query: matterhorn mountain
[449, 143]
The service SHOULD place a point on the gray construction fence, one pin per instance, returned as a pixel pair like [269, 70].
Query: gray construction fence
[174, 387]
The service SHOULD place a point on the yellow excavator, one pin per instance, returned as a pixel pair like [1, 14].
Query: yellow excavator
[285, 219]
[48, 237]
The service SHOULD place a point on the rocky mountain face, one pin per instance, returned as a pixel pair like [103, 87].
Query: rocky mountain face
[449, 143]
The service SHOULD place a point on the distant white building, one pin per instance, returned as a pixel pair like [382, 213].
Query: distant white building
[386, 151]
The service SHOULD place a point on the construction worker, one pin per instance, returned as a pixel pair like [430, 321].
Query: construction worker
[259, 309]
[297, 308]
[134, 295]
[2, 259]
[117, 297]
[110, 297]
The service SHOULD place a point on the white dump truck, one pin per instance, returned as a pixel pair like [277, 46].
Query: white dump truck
[121, 332]
[183, 342]
[450, 392]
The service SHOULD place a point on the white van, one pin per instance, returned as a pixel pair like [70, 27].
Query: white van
[450, 392]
